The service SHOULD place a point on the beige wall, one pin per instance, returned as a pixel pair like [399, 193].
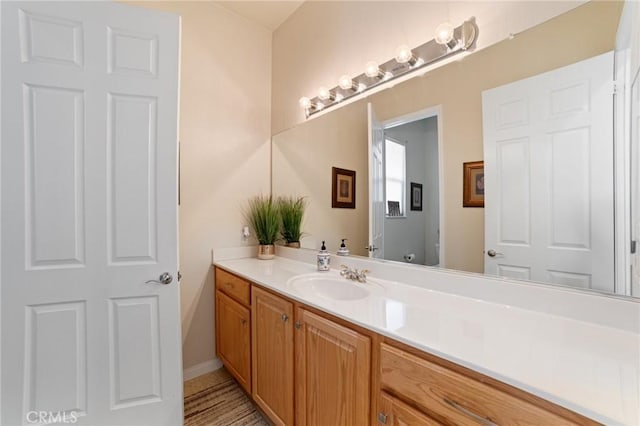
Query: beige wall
[225, 149]
[302, 159]
[323, 40]
[581, 33]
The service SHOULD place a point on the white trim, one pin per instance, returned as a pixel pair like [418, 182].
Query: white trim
[435, 111]
[200, 369]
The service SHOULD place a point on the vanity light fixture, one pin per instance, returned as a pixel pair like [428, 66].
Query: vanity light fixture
[346, 83]
[405, 55]
[444, 35]
[326, 94]
[371, 69]
[447, 42]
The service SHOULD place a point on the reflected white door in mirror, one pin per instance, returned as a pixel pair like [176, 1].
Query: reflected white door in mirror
[548, 159]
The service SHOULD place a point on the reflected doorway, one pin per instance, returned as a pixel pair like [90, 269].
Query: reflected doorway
[410, 188]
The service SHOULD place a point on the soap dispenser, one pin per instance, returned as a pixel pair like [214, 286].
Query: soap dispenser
[343, 250]
[324, 259]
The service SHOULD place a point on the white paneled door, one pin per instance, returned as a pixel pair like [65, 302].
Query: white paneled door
[548, 155]
[376, 185]
[89, 215]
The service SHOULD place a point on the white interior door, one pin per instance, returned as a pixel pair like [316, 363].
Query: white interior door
[548, 155]
[89, 214]
[635, 188]
[376, 185]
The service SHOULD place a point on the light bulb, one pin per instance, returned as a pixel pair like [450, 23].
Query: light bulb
[403, 54]
[371, 69]
[304, 102]
[345, 82]
[323, 93]
[444, 33]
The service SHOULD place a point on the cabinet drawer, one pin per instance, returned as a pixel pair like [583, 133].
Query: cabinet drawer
[394, 412]
[233, 286]
[452, 397]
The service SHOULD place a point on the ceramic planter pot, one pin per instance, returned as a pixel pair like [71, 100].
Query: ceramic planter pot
[266, 252]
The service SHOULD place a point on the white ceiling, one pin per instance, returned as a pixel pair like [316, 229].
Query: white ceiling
[269, 14]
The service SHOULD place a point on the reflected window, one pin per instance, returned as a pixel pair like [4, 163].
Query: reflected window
[395, 177]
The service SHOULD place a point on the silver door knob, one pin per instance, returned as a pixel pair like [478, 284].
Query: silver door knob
[164, 278]
[493, 253]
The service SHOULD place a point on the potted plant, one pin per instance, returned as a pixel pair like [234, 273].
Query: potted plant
[264, 220]
[291, 211]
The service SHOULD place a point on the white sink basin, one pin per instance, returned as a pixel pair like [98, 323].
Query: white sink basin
[328, 286]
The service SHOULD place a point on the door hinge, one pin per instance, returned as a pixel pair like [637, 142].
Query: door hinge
[179, 276]
[616, 87]
[634, 244]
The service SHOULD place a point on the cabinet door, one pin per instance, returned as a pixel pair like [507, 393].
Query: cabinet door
[332, 373]
[272, 337]
[233, 338]
[394, 412]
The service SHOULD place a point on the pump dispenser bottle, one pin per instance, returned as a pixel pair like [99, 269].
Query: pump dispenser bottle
[343, 250]
[324, 259]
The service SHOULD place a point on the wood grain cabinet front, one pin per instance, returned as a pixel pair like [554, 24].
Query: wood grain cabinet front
[233, 338]
[235, 287]
[333, 365]
[272, 344]
[394, 412]
[451, 397]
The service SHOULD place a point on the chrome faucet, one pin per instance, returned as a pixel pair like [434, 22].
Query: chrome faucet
[354, 274]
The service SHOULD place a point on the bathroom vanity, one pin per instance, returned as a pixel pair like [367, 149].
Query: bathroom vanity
[421, 346]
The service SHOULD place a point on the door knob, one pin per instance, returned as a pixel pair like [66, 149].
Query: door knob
[164, 278]
[493, 253]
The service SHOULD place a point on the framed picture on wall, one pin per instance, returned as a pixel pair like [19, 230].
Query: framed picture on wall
[343, 188]
[473, 184]
[416, 196]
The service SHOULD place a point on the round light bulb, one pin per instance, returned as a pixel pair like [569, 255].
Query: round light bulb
[444, 33]
[345, 82]
[304, 102]
[403, 54]
[371, 69]
[323, 93]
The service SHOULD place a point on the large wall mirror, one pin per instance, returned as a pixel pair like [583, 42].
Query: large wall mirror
[435, 122]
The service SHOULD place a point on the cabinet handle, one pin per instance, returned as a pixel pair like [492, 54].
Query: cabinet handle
[382, 418]
[469, 413]
[285, 318]
[244, 321]
[297, 325]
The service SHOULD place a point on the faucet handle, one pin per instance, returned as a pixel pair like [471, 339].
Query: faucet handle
[344, 271]
[362, 275]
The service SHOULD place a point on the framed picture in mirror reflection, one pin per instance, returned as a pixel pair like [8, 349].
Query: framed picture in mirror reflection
[416, 196]
[473, 184]
[343, 188]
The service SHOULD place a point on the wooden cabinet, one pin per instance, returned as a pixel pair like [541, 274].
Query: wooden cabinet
[333, 368]
[394, 412]
[452, 397]
[346, 375]
[233, 325]
[233, 338]
[234, 287]
[272, 346]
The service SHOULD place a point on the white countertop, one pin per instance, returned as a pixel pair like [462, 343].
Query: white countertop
[590, 368]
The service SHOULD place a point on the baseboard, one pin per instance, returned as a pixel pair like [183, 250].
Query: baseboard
[200, 369]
